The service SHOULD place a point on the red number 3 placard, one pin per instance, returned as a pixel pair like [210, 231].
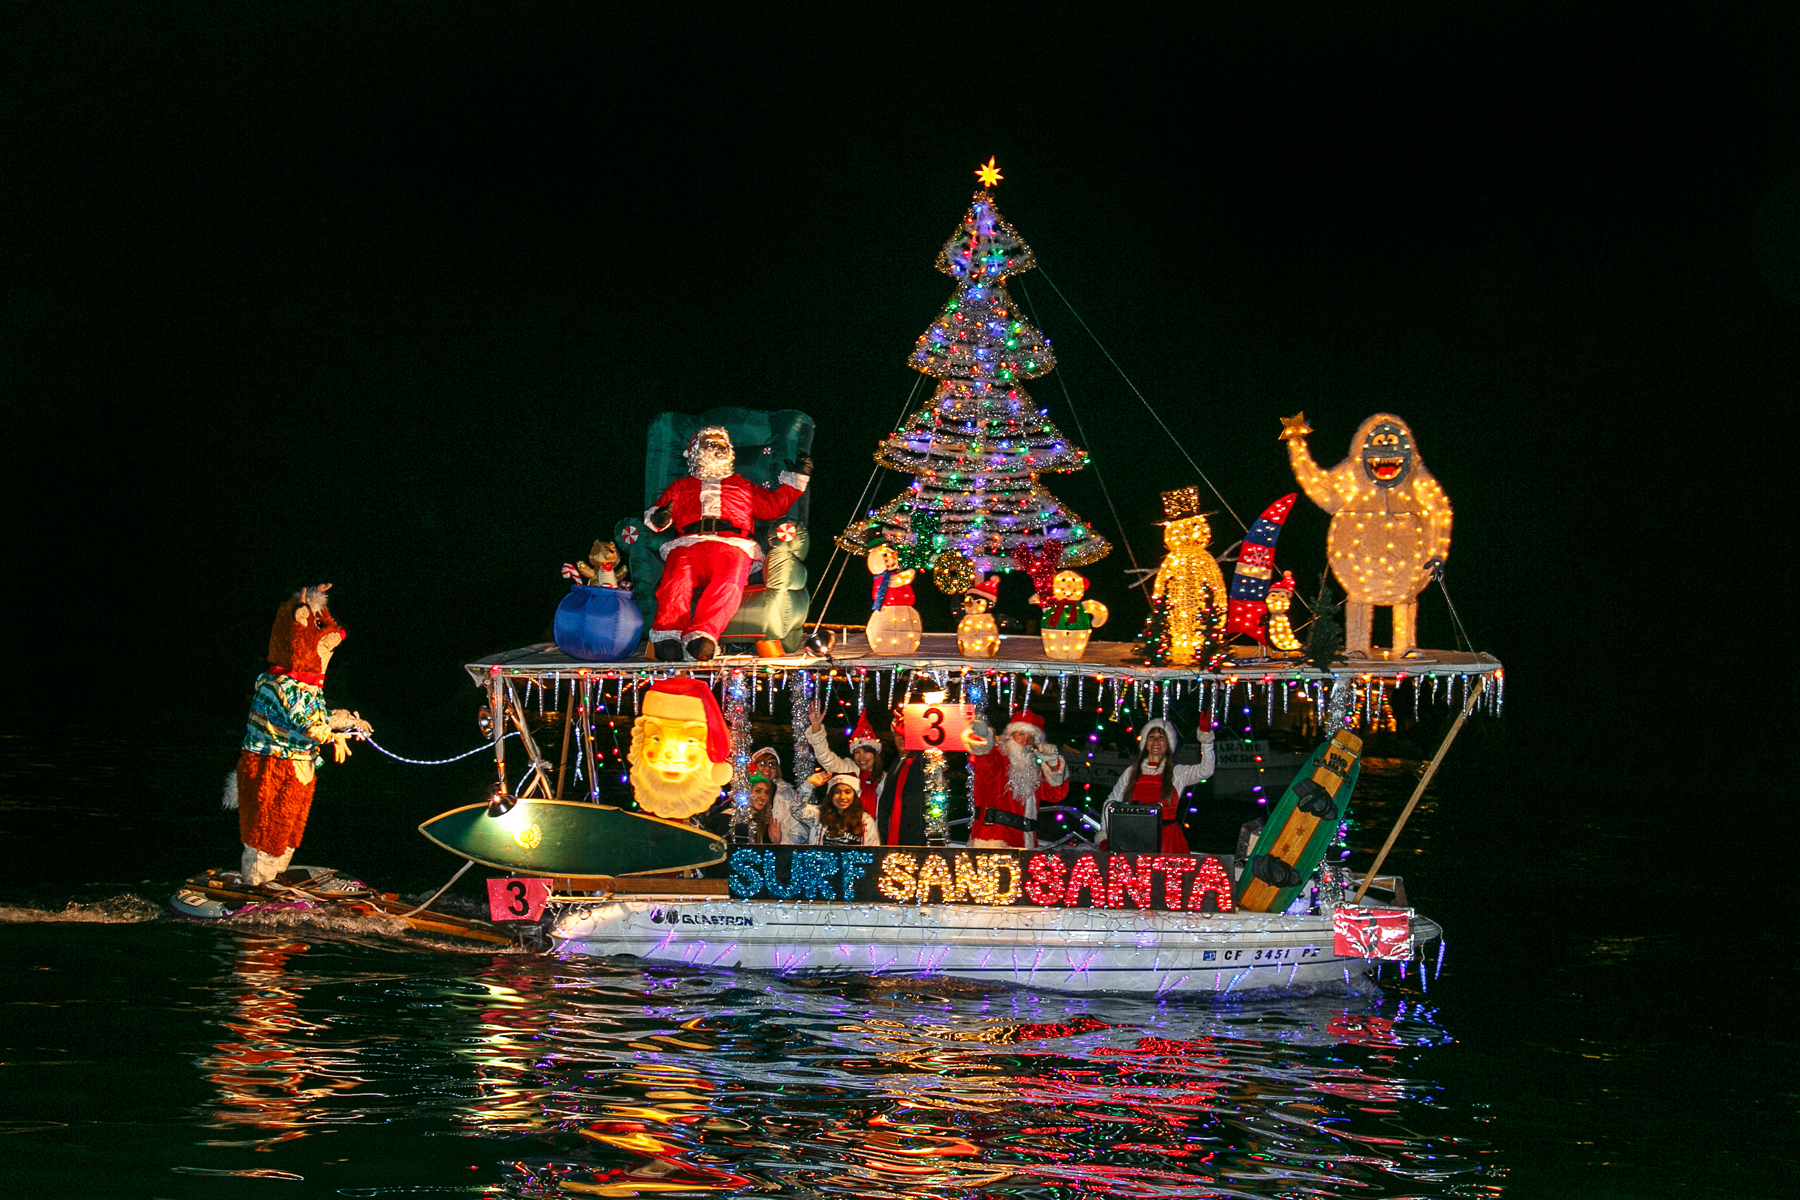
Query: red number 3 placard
[935, 726]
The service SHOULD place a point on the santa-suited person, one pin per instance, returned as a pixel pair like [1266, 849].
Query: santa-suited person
[714, 512]
[1013, 776]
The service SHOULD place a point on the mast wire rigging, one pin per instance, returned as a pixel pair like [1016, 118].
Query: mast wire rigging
[867, 489]
[1061, 378]
[1146, 403]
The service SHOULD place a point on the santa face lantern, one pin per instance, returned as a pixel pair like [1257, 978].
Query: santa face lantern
[894, 625]
[1068, 619]
[680, 754]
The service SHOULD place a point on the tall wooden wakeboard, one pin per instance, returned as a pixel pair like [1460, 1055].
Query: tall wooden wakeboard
[566, 837]
[1301, 827]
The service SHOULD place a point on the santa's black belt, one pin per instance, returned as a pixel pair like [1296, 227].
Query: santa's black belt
[714, 525]
[999, 816]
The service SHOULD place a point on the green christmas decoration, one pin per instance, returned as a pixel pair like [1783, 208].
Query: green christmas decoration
[1325, 636]
[953, 573]
[1153, 642]
[976, 451]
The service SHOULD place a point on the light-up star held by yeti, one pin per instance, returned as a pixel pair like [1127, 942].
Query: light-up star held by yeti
[988, 173]
[1294, 427]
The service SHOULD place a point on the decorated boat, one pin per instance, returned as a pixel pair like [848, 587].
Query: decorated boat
[940, 873]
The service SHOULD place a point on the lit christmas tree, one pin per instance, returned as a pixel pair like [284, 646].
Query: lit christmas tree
[977, 449]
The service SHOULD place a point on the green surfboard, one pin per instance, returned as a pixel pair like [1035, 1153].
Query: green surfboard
[1297, 833]
[565, 837]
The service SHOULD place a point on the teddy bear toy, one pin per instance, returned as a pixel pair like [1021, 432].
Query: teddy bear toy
[602, 568]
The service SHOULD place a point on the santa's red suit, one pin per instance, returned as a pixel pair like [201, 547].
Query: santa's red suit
[713, 519]
[1006, 808]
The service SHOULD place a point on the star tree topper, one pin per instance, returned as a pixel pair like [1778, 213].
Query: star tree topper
[988, 173]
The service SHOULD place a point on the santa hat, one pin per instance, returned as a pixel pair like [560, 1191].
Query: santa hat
[864, 735]
[773, 770]
[665, 699]
[854, 783]
[1026, 721]
[987, 589]
[1168, 731]
[1285, 583]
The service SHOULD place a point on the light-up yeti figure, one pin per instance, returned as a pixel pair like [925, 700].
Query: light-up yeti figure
[1390, 523]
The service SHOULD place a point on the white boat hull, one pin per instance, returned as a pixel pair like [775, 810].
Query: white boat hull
[1075, 950]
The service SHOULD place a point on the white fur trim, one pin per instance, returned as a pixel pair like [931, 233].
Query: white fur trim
[229, 800]
[1060, 773]
[665, 635]
[694, 539]
[797, 482]
[1168, 729]
[709, 497]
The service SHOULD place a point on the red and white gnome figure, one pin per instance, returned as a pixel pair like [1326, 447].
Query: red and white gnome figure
[1011, 779]
[714, 512]
[272, 788]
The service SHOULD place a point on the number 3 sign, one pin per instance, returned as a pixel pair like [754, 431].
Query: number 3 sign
[517, 899]
[935, 726]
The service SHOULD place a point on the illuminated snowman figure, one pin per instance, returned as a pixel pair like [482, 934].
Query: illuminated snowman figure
[977, 635]
[894, 625]
[1068, 619]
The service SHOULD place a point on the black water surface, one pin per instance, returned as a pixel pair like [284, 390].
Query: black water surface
[1583, 1038]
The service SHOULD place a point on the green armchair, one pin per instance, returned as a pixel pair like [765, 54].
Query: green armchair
[775, 603]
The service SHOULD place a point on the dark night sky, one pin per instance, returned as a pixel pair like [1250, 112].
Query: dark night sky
[306, 293]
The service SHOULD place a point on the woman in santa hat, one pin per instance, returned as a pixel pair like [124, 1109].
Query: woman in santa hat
[1156, 779]
[865, 756]
[841, 820]
[1010, 785]
[791, 828]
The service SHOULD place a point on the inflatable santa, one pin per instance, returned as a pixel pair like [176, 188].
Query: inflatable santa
[272, 788]
[714, 512]
[1013, 776]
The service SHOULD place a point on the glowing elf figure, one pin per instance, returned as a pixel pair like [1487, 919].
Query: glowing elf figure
[1390, 523]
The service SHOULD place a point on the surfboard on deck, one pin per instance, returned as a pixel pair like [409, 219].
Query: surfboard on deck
[1301, 827]
[215, 895]
[568, 837]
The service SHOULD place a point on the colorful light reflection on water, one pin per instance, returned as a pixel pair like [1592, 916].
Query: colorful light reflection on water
[593, 1078]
